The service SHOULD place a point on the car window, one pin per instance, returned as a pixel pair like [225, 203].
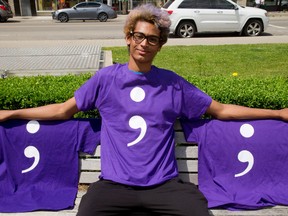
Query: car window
[222, 4]
[188, 4]
[81, 5]
[168, 3]
[204, 4]
[93, 4]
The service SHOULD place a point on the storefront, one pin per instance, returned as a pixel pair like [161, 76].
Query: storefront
[270, 5]
[35, 7]
[119, 5]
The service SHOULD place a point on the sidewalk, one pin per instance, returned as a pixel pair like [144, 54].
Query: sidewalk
[52, 58]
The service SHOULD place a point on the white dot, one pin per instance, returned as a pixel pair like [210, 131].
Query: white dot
[33, 126]
[137, 94]
[247, 130]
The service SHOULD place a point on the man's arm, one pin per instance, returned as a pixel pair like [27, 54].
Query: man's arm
[59, 111]
[230, 112]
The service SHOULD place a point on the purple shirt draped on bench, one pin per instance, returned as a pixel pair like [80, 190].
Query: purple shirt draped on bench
[242, 164]
[39, 165]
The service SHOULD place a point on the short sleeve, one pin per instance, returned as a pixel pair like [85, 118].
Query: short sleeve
[86, 96]
[91, 93]
[88, 135]
[194, 101]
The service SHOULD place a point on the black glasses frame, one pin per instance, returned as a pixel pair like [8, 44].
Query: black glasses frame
[138, 37]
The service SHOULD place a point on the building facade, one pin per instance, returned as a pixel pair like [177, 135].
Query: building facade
[39, 7]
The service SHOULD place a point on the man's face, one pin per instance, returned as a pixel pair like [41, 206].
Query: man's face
[144, 42]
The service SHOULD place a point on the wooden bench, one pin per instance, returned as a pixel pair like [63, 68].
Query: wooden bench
[187, 155]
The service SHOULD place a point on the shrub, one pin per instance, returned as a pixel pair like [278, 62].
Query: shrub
[267, 92]
[24, 92]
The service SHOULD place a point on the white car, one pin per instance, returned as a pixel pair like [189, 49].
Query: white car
[191, 16]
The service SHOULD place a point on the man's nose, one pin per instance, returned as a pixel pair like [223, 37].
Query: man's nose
[145, 42]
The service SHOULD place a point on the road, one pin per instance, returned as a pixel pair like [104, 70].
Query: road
[44, 28]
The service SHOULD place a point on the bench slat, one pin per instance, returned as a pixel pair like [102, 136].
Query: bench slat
[187, 165]
[94, 164]
[179, 137]
[186, 152]
[89, 177]
[189, 177]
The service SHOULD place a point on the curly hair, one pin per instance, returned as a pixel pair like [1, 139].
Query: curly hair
[149, 13]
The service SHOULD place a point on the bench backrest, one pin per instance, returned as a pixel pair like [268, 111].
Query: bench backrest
[186, 154]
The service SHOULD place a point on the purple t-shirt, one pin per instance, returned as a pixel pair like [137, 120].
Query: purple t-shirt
[242, 164]
[39, 164]
[138, 112]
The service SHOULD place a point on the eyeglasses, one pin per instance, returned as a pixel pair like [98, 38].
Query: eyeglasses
[138, 37]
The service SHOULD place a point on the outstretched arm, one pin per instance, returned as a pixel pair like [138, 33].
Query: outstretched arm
[230, 112]
[59, 111]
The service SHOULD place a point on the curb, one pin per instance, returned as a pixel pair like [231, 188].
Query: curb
[278, 14]
[274, 14]
[47, 17]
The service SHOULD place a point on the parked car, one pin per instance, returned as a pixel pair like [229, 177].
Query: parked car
[284, 5]
[5, 11]
[191, 16]
[85, 11]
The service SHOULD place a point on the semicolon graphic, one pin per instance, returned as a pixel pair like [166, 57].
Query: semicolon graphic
[245, 156]
[137, 95]
[31, 151]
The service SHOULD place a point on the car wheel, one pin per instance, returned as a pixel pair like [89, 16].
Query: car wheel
[186, 30]
[102, 17]
[3, 19]
[63, 17]
[253, 28]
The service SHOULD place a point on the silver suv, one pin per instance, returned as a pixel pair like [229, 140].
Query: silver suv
[191, 16]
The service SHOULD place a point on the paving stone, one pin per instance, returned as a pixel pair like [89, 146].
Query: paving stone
[55, 60]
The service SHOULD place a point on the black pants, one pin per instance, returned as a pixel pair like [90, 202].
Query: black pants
[171, 198]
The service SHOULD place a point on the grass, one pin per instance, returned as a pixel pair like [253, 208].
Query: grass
[261, 78]
[224, 60]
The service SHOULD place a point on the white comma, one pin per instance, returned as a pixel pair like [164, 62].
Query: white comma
[245, 156]
[31, 152]
[137, 122]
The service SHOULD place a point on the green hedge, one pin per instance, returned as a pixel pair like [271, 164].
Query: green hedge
[25, 92]
[267, 92]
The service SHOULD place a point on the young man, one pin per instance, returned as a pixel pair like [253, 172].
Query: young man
[139, 104]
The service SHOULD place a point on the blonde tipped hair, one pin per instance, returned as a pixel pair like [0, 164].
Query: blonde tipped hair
[148, 13]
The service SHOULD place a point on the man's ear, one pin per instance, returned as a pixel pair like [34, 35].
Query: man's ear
[128, 40]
